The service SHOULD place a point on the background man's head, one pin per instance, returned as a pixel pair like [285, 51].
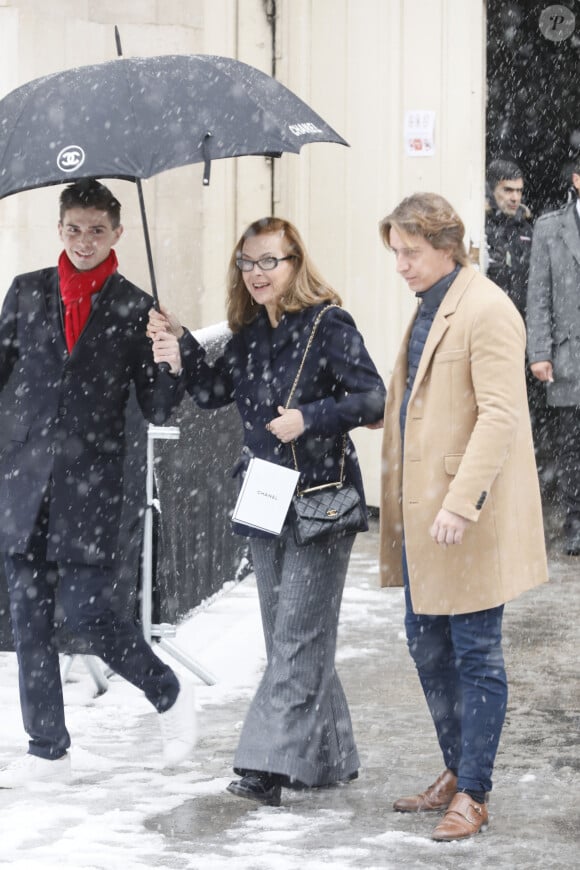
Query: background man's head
[505, 182]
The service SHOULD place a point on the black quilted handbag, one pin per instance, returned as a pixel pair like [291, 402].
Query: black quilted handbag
[330, 508]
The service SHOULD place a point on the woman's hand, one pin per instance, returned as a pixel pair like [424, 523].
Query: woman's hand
[288, 426]
[163, 321]
[166, 350]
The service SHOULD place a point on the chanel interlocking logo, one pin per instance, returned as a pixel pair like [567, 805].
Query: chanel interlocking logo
[70, 158]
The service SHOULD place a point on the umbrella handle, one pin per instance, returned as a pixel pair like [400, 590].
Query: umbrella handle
[147, 243]
[163, 366]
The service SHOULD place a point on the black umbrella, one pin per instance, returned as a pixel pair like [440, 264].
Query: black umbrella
[132, 118]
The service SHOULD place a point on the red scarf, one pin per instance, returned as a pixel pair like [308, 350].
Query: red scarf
[77, 288]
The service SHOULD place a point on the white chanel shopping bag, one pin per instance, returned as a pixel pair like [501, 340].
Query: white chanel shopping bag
[265, 496]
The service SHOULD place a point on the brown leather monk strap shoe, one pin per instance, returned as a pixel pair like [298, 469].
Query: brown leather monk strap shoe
[437, 797]
[464, 818]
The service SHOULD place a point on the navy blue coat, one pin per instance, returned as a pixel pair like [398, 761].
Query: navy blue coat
[339, 389]
[62, 416]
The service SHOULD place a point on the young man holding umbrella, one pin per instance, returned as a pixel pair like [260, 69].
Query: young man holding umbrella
[72, 342]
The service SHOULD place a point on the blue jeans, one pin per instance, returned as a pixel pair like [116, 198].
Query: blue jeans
[84, 593]
[460, 664]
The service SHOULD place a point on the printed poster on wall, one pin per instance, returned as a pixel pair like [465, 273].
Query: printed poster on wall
[420, 133]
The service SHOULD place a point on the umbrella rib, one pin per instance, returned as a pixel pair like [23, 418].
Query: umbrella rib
[138, 148]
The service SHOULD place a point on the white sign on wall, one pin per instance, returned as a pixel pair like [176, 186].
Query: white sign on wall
[420, 133]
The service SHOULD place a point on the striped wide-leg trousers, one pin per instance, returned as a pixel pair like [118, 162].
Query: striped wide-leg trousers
[298, 724]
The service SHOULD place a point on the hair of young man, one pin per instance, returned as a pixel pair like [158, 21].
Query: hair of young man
[89, 193]
[432, 217]
[307, 287]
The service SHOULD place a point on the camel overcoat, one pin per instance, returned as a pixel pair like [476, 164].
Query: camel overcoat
[468, 448]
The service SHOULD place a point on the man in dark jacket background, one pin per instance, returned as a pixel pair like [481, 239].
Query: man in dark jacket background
[72, 343]
[508, 231]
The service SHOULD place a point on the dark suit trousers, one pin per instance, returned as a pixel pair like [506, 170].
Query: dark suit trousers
[82, 605]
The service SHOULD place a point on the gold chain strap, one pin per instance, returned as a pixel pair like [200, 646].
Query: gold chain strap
[291, 396]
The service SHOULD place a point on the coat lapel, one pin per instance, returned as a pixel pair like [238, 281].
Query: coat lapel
[295, 331]
[570, 233]
[288, 343]
[53, 311]
[100, 300]
[441, 322]
[399, 376]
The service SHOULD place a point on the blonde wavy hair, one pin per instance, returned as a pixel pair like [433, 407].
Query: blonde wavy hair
[307, 287]
[428, 215]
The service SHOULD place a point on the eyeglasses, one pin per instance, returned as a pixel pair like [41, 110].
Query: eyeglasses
[265, 263]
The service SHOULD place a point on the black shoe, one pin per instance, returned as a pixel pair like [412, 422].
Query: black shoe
[264, 788]
[296, 785]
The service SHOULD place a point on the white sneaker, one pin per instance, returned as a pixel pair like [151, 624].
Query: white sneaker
[31, 768]
[178, 727]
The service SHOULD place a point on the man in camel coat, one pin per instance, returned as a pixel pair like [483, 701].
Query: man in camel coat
[461, 520]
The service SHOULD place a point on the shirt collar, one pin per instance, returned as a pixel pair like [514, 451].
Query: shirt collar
[431, 298]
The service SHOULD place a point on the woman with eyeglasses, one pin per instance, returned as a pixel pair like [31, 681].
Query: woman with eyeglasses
[297, 732]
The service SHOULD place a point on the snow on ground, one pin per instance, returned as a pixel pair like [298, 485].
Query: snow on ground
[98, 822]
[102, 820]
[123, 812]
